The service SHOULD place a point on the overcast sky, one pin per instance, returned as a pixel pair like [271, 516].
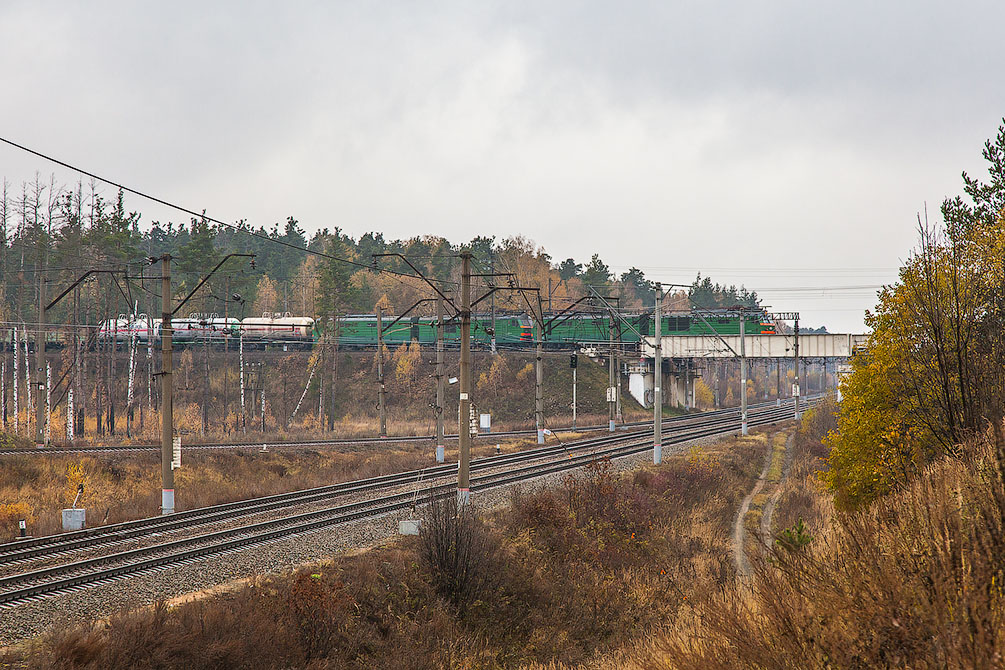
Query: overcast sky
[783, 145]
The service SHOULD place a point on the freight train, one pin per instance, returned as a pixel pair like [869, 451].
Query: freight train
[360, 330]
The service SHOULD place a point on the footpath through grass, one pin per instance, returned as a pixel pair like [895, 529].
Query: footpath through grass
[913, 581]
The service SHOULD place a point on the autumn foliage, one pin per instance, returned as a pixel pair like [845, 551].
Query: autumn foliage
[933, 375]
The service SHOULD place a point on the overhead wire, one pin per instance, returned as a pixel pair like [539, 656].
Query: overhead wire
[247, 231]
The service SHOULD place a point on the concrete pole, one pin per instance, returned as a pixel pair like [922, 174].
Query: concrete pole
[658, 381]
[573, 398]
[617, 379]
[778, 383]
[492, 298]
[795, 385]
[464, 404]
[381, 397]
[439, 380]
[167, 390]
[612, 403]
[539, 375]
[744, 430]
[40, 366]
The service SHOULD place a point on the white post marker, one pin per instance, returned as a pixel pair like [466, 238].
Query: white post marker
[48, 401]
[69, 415]
[176, 452]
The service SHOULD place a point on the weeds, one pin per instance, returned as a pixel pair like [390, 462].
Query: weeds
[460, 553]
[559, 576]
[914, 581]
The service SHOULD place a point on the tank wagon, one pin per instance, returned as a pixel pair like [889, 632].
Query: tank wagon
[360, 330]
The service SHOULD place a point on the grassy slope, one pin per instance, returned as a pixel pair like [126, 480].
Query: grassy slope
[912, 582]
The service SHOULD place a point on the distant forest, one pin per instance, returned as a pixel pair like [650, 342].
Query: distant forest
[56, 233]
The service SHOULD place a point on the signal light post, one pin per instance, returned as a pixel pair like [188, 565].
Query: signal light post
[795, 385]
[612, 401]
[167, 391]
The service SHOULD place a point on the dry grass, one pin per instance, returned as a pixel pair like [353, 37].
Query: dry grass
[915, 581]
[122, 487]
[500, 387]
[582, 569]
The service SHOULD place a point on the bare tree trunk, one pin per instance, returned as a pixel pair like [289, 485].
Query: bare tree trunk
[334, 384]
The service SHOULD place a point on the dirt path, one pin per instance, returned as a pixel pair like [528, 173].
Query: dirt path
[769, 509]
[739, 532]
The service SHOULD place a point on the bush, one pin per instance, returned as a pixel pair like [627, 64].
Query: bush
[912, 581]
[11, 514]
[460, 553]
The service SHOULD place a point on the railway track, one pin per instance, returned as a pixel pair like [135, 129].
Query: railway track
[498, 471]
[308, 444]
[23, 550]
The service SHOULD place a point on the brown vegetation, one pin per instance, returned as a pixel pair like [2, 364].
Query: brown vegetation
[122, 487]
[501, 388]
[913, 581]
[560, 576]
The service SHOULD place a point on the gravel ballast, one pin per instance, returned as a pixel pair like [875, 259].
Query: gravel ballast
[33, 618]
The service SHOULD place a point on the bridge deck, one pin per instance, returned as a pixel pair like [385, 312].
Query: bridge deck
[829, 345]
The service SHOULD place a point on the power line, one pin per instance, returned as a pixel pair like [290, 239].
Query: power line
[203, 215]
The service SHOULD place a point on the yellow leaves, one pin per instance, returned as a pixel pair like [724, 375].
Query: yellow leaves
[266, 297]
[407, 362]
[75, 475]
[703, 395]
[11, 514]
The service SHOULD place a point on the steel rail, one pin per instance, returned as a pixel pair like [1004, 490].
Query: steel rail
[229, 539]
[301, 444]
[19, 550]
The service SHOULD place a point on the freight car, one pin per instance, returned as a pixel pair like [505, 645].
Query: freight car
[359, 331]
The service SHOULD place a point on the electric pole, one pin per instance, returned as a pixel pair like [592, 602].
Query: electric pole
[40, 364]
[381, 397]
[464, 405]
[539, 375]
[573, 362]
[167, 391]
[492, 298]
[617, 378]
[743, 375]
[778, 383]
[795, 385]
[658, 381]
[439, 380]
[611, 390]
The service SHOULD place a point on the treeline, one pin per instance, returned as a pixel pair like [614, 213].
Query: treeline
[908, 574]
[934, 373]
[53, 233]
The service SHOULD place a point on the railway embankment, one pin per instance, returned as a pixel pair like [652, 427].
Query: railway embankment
[569, 566]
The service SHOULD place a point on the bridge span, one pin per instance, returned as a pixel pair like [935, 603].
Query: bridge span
[828, 345]
[689, 357]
